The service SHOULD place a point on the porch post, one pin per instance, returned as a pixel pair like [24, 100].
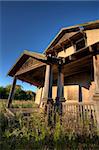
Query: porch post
[96, 79]
[47, 85]
[60, 86]
[80, 93]
[11, 94]
[50, 83]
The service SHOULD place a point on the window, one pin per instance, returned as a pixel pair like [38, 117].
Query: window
[80, 44]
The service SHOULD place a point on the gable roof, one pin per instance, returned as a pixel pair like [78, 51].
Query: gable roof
[86, 26]
[22, 59]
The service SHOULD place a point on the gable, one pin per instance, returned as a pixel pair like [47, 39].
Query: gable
[68, 40]
[68, 37]
[30, 64]
[24, 60]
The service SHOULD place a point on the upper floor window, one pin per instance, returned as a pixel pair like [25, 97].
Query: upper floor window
[80, 44]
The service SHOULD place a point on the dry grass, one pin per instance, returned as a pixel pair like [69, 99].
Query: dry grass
[18, 103]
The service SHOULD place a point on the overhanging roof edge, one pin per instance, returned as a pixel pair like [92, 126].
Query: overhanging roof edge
[34, 55]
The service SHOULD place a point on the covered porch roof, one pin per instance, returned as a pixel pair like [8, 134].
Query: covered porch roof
[23, 58]
[27, 64]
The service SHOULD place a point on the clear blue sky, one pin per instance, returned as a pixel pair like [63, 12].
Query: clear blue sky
[32, 26]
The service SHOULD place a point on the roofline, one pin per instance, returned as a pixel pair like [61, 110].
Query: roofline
[71, 27]
[32, 54]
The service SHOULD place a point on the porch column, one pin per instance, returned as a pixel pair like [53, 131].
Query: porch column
[11, 94]
[80, 93]
[60, 86]
[96, 80]
[50, 83]
[47, 94]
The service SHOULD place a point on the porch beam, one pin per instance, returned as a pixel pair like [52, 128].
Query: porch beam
[11, 94]
[47, 85]
[51, 83]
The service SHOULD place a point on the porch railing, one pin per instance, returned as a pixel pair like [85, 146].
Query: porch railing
[79, 115]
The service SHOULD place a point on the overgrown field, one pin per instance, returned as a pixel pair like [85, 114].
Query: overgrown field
[17, 103]
[33, 133]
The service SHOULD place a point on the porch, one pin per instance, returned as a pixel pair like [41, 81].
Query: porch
[80, 68]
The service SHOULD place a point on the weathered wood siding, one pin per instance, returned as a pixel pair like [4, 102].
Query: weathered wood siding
[38, 95]
[66, 52]
[71, 93]
[92, 36]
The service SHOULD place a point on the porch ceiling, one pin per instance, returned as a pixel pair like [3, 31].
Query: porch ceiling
[80, 65]
[34, 76]
[75, 68]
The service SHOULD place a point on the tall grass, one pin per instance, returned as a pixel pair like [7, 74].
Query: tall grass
[18, 103]
[33, 133]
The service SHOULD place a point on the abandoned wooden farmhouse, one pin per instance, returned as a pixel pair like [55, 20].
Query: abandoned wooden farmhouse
[67, 71]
